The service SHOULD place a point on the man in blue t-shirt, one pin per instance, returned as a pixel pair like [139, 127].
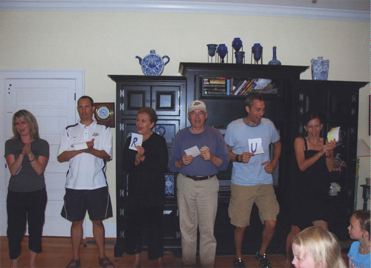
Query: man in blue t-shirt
[248, 140]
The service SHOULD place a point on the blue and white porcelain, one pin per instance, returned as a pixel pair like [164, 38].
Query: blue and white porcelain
[320, 68]
[169, 184]
[153, 64]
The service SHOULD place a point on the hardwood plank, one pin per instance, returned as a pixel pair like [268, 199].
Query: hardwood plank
[57, 253]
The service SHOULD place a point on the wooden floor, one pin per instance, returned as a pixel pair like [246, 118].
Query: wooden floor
[57, 253]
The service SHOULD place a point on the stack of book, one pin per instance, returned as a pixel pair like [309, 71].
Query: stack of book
[215, 86]
[244, 87]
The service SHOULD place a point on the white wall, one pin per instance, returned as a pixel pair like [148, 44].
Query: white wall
[105, 43]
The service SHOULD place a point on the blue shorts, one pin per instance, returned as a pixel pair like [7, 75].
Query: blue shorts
[97, 202]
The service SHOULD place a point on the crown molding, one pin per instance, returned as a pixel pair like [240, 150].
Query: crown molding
[187, 7]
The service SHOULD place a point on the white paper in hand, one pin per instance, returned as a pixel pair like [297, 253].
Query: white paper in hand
[333, 134]
[80, 146]
[255, 146]
[194, 151]
[136, 140]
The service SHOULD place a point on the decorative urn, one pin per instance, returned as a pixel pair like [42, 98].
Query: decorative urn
[320, 68]
[153, 64]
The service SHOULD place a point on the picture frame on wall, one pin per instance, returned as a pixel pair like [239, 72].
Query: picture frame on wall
[105, 113]
[369, 115]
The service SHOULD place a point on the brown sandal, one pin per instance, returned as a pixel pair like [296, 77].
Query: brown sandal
[73, 263]
[105, 263]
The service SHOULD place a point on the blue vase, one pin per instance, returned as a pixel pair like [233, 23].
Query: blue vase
[320, 68]
[222, 51]
[274, 61]
[240, 55]
[237, 44]
[257, 51]
[211, 48]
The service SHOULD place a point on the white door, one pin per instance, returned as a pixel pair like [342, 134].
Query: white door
[53, 103]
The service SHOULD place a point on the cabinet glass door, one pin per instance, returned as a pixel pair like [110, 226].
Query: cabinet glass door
[134, 98]
[166, 100]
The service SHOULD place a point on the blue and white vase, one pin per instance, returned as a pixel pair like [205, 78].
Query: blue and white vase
[320, 68]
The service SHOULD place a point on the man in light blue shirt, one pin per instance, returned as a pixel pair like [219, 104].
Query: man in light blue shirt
[248, 140]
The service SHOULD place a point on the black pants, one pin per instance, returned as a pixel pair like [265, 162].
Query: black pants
[23, 207]
[145, 222]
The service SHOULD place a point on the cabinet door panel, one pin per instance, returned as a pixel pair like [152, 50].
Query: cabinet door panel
[135, 97]
[167, 129]
[165, 100]
[343, 107]
[312, 100]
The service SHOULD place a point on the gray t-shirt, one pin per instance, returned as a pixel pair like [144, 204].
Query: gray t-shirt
[26, 180]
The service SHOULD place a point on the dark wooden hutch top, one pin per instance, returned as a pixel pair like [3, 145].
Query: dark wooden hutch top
[273, 71]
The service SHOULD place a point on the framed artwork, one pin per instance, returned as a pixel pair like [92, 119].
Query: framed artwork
[105, 113]
[369, 115]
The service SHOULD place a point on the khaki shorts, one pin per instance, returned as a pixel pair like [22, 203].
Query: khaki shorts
[244, 197]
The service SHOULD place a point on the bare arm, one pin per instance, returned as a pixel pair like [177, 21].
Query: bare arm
[207, 156]
[67, 155]
[303, 163]
[329, 149]
[271, 166]
[38, 165]
[14, 164]
[243, 158]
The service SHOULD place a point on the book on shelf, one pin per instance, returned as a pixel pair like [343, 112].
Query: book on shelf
[239, 87]
[215, 80]
[215, 92]
[228, 85]
[248, 87]
[214, 86]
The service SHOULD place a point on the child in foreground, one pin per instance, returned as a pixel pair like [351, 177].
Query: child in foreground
[359, 229]
[315, 247]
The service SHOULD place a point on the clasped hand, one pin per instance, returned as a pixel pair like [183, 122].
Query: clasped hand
[27, 151]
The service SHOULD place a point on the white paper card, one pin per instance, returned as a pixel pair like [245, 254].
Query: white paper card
[136, 140]
[80, 146]
[194, 151]
[255, 146]
[333, 134]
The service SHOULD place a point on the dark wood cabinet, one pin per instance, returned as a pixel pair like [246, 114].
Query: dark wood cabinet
[224, 108]
[166, 95]
[287, 99]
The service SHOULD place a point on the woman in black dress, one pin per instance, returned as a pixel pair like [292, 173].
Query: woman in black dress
[310, 188]
[146, 169]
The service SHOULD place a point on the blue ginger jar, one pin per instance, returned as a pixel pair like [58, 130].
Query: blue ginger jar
[222, 51]
[320, 68]
[237, 44]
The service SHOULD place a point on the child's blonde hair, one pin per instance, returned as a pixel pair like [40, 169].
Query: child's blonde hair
[363, 216]
[322, 244]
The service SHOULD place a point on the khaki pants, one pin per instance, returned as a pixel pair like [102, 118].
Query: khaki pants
[197, 204]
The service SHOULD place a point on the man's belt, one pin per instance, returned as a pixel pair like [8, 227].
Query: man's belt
[199, 178]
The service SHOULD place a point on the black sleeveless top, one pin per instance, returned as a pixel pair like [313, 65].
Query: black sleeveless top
[314, 181]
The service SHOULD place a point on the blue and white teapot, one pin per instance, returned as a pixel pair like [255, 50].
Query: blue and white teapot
[153, 64]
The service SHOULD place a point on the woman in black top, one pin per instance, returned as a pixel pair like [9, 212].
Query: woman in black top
[146, 169]
[309, 190]
[26, 156]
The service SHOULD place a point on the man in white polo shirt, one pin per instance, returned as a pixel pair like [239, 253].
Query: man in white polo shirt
[87, 146]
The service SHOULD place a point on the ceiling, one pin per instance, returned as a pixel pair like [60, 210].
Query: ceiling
[356, 10]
